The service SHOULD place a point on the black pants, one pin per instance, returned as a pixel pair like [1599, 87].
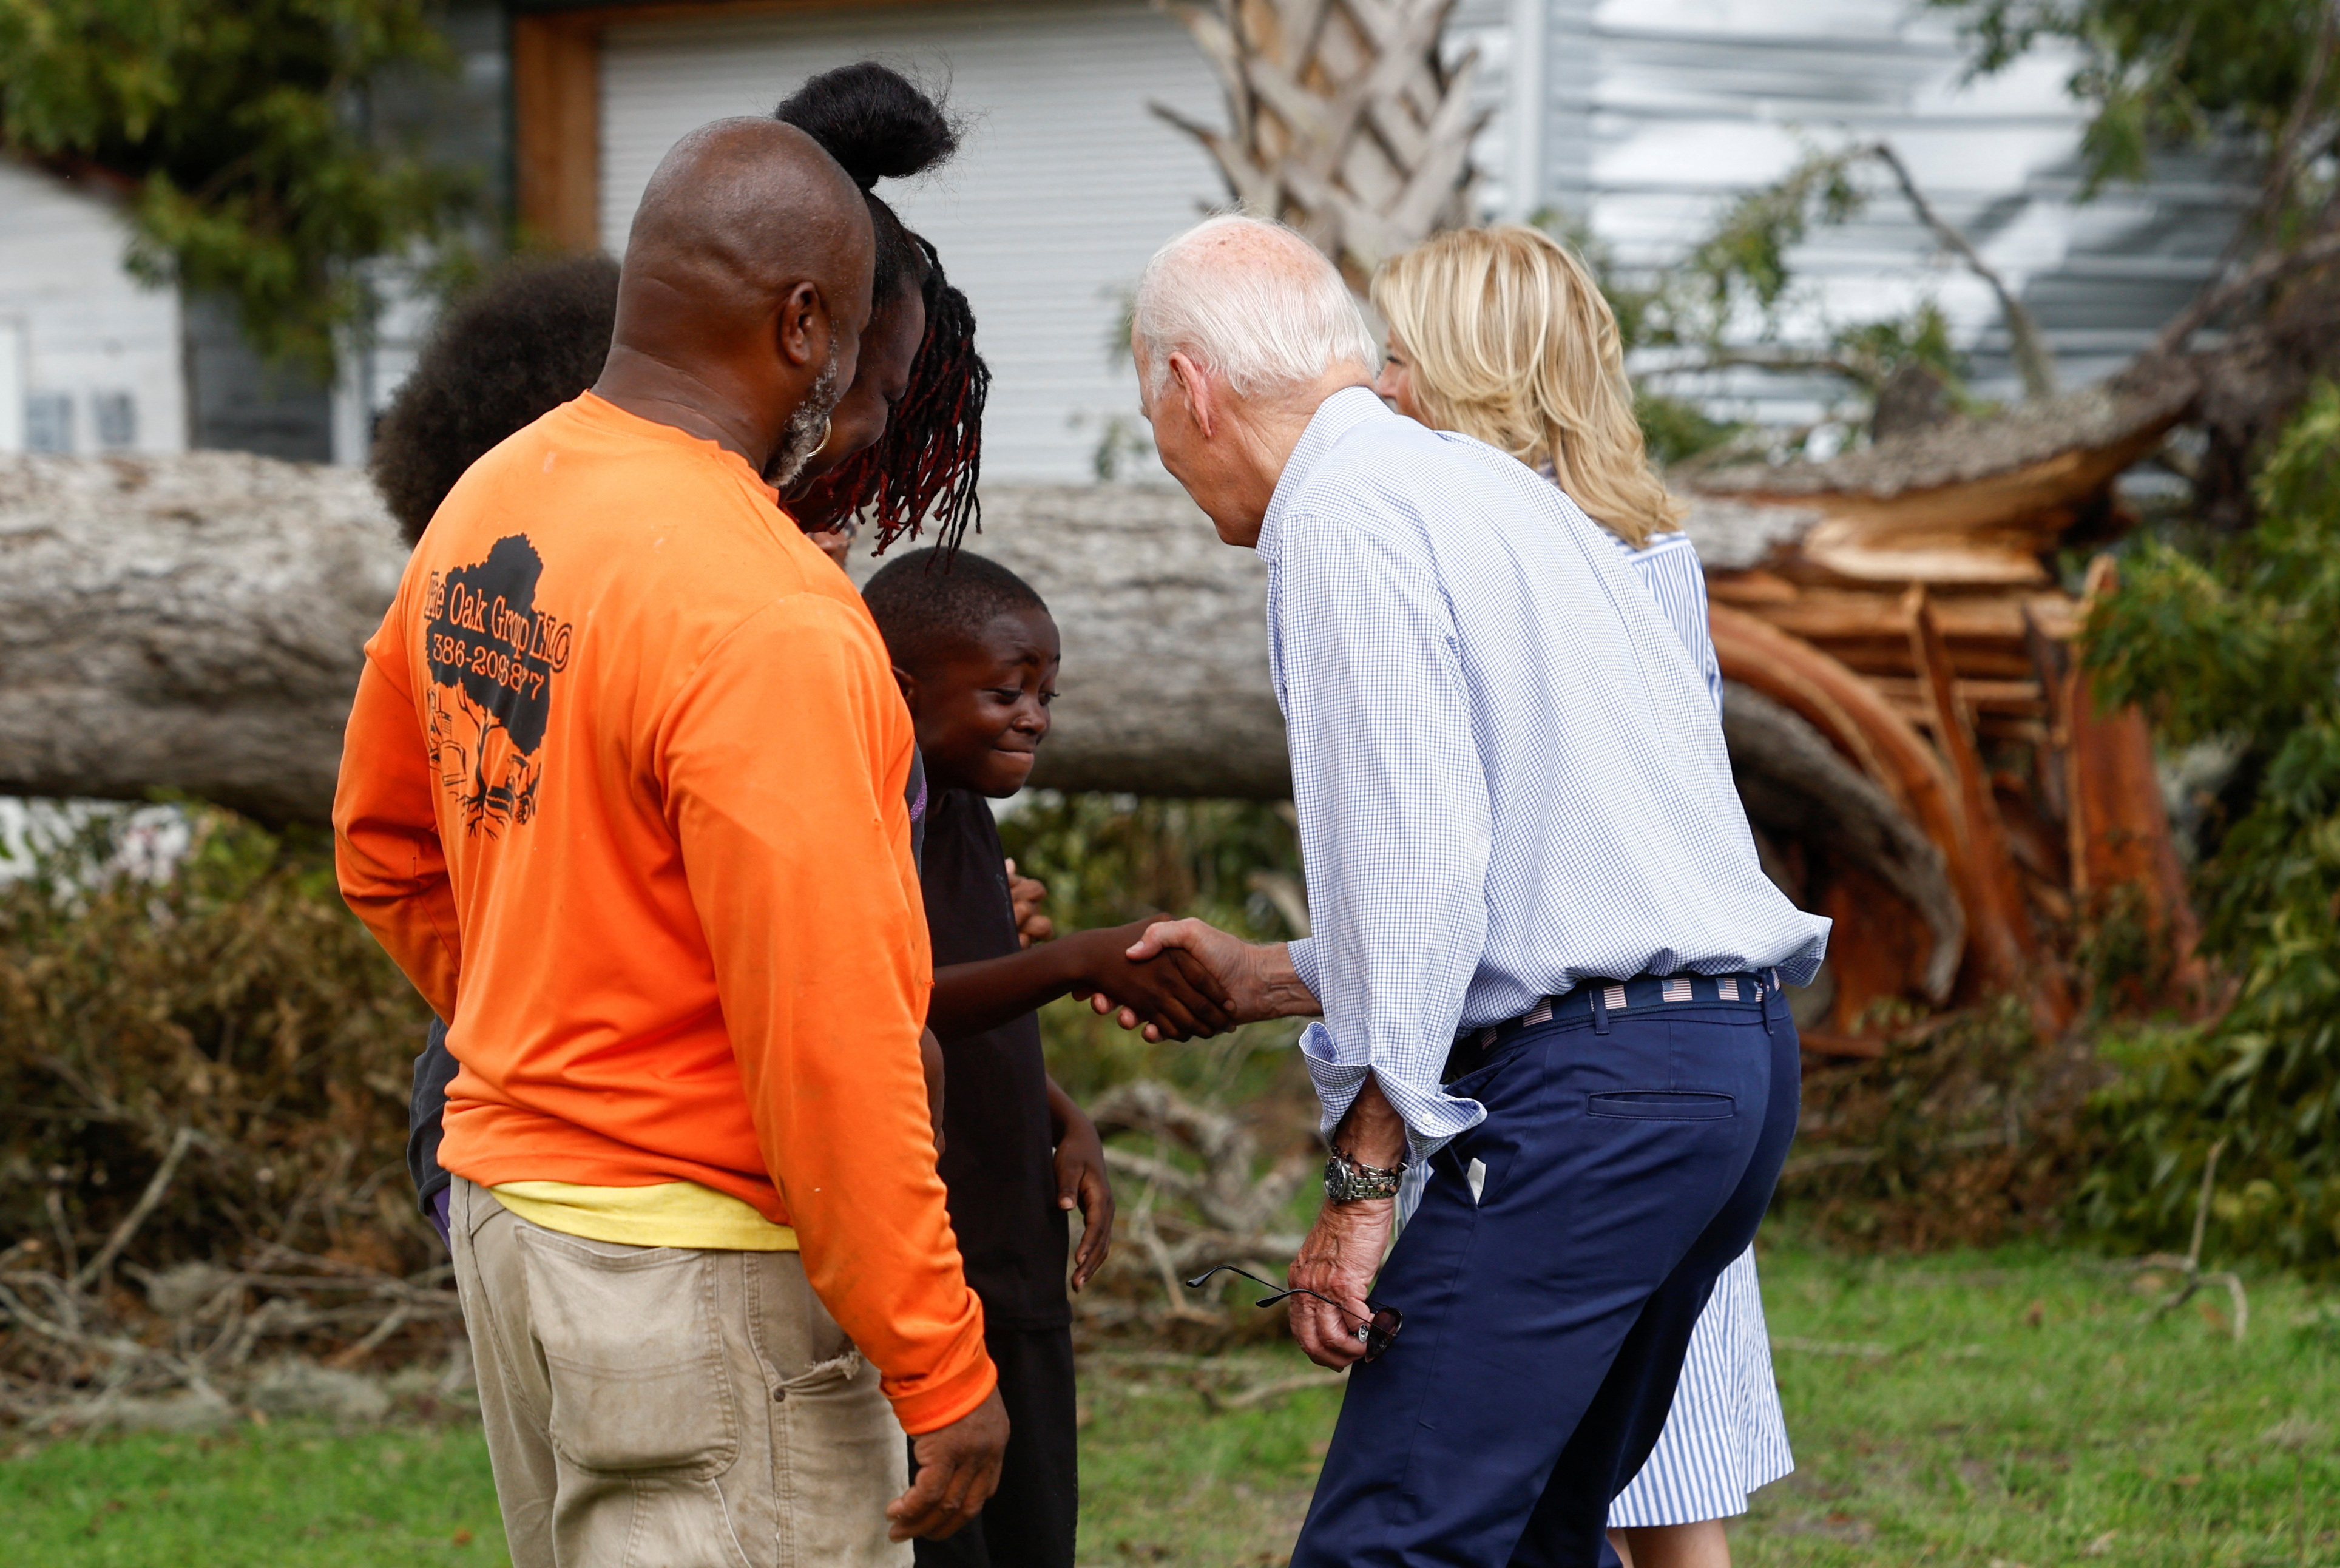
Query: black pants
[1030, 1520]
[1550, 1281]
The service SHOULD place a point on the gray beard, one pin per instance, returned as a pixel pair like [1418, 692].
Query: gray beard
[807, 427]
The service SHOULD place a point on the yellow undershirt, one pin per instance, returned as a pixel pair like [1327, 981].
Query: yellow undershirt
[667, 1214]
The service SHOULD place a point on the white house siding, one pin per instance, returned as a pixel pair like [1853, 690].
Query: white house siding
[89, 360]
[1657, 113]
[1066, 183]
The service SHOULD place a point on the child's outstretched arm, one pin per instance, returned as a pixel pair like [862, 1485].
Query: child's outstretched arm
[1082, 1182]
[1174, 992]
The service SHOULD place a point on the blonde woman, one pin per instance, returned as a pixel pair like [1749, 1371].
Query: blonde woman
[1501, 334]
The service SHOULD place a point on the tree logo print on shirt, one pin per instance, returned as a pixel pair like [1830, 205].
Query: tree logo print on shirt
[493, 657]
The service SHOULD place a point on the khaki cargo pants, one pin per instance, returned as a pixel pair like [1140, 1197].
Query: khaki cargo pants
[661, 1407]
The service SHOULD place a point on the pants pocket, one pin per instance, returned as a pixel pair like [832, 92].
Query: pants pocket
[1663, 1104]
[634, 1353]
[843, 1458]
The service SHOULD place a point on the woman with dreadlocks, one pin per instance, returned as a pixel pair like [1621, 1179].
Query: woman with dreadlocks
[905, 444]
[977, 654]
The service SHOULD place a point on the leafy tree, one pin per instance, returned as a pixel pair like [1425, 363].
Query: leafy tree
[2256, 81]
[2157, 73]
[1726, 305]
[2242, 646]
[243, 128]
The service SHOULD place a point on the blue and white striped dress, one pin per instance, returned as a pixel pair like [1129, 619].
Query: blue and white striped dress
[1725, 1435]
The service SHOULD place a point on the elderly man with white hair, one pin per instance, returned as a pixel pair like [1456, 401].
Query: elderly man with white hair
[1547, 961]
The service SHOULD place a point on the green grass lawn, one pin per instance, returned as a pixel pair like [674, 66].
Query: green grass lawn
[1980, 1409]
[2017, 1408]
[281, 1496]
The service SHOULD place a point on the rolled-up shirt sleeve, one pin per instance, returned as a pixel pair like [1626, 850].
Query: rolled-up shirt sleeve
[1395, 823]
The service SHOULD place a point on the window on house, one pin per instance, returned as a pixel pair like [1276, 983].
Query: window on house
[115, 414]
[48, 421]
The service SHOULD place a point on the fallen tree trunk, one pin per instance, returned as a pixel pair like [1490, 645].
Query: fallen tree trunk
[1971, 502]
[1795, 783]
[189, 623]
[194, 624]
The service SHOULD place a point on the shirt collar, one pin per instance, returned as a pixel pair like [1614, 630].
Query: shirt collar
[1335, 417]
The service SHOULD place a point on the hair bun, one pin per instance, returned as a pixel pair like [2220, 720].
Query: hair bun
[874, 121]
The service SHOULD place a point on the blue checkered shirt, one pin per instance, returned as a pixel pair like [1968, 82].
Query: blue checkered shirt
[1508, 769]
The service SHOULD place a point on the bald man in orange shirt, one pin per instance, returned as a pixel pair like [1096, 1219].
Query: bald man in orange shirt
[623, 794]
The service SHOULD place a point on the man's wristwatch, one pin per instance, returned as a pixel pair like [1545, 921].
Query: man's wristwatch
[1346, 1181]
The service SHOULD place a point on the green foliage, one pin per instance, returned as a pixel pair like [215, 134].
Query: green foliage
[239, 1000]
[1676, 429]
[2243, 645]
[1871, 351]
[2155, 73]
[242, 127]
[1726, 303]
[1739, 282]
[1743, 265]
[1109, 858]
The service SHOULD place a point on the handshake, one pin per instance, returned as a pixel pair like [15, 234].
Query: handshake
[1174, 979]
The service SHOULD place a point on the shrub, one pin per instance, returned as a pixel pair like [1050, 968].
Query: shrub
[1968, 1131]
[237, 1000]
[2242, 646]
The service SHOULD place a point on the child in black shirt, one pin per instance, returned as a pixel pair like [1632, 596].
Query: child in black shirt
[977, 654]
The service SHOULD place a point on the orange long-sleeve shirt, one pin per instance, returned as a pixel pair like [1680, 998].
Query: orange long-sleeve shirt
[622, 793]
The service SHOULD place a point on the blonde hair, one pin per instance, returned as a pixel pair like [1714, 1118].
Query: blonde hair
[1509, 341]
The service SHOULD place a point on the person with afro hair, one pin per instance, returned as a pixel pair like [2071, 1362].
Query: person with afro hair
[520, 345]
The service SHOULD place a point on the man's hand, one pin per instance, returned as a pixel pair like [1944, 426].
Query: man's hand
[958, 1470]
[1339, 1259]
[1173, 993]
[1256, 979]
[1027, 894]
[1081, 1181]
[1343, 1252]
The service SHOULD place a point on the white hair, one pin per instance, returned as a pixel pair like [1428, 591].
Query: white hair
[1249, 301]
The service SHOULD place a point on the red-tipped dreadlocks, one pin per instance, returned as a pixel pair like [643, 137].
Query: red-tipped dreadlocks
[923, 469]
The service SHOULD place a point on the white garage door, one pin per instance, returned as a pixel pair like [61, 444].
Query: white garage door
[1065, 185]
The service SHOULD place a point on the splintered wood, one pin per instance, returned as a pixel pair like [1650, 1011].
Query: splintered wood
[1900, 602]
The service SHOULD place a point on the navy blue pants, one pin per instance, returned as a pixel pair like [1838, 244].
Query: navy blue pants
[1546, 1316]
